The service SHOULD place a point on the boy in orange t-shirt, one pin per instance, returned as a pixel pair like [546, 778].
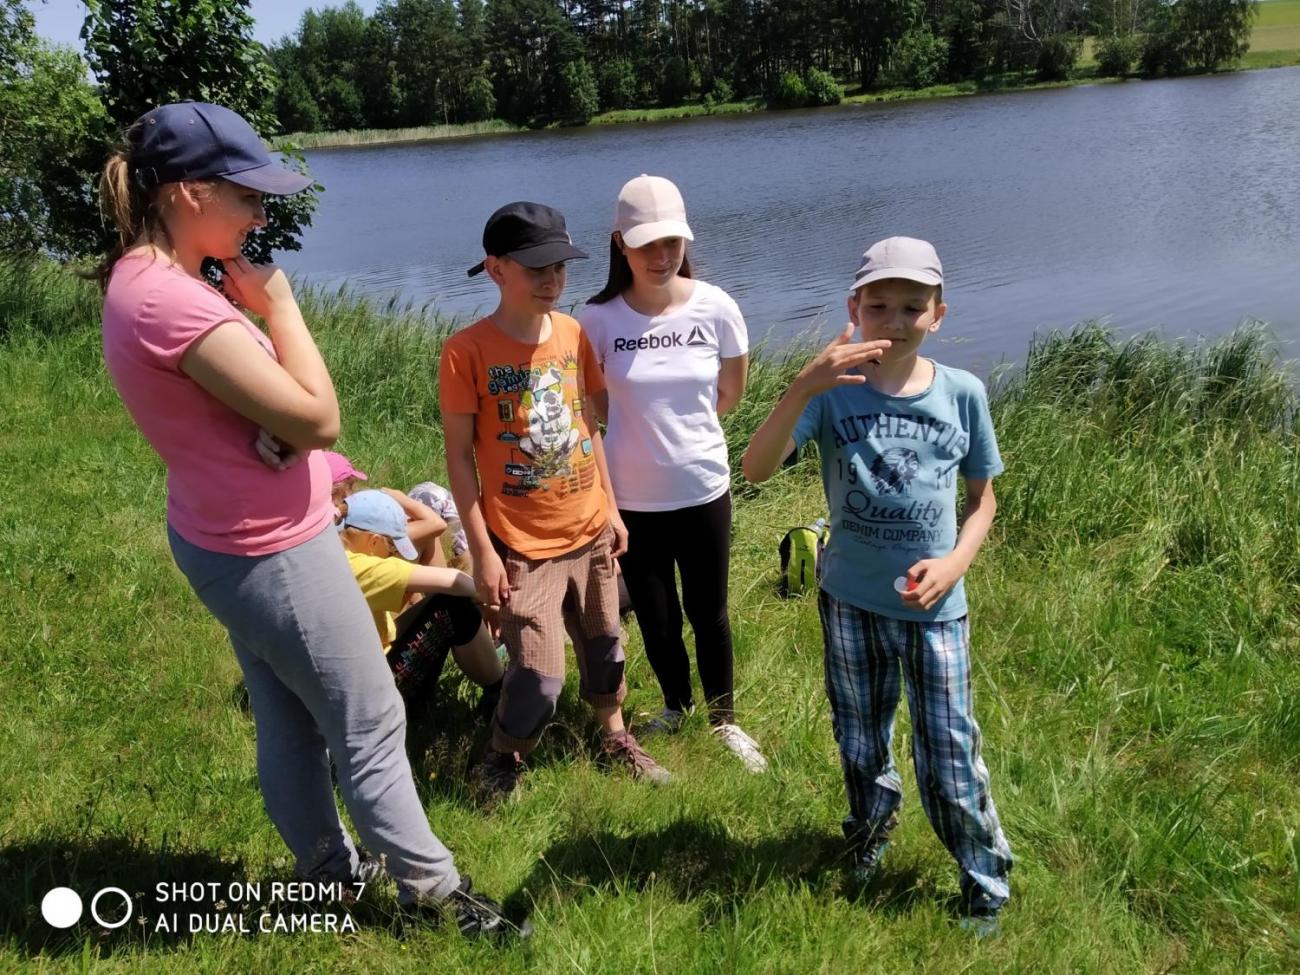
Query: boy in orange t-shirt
[528, 475]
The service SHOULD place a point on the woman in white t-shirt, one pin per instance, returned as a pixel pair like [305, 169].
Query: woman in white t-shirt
[675, 354]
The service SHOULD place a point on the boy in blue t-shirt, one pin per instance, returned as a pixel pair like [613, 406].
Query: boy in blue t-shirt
[894, 431]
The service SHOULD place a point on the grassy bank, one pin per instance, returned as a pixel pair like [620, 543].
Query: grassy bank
[1135, 671]
[373, 137]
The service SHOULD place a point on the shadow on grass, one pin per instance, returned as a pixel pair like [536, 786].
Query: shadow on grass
[31, 869]
[699, 860]
[447, 733]
[226, 906]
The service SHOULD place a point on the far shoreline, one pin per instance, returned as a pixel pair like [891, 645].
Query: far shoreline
[367, 138]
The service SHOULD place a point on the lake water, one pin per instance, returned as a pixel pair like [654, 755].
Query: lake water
[1171, 204]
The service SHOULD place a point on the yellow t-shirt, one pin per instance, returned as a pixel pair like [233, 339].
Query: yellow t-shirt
[383, 582]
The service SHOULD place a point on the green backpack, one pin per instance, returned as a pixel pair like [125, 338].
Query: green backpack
[799, 550]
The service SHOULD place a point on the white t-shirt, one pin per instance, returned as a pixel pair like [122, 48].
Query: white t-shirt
[664, 444]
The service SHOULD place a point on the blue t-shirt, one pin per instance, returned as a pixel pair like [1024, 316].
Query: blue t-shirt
[889, 466]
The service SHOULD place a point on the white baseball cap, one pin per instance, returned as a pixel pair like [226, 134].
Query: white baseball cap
[650, 208]
[899, 257]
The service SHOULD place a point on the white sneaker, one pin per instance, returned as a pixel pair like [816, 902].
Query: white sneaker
[742, 746]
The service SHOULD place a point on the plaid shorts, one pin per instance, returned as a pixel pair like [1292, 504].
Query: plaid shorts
[863, 653]
[574, 593]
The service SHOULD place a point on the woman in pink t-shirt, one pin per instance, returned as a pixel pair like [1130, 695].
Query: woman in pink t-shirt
[239, 418]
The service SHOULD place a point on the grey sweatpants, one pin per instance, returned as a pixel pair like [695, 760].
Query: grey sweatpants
[319, 686]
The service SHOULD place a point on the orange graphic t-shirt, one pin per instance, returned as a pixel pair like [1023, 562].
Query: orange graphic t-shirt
[541, 491]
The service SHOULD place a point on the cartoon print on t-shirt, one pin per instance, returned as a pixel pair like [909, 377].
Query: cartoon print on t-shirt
[539, 408]
[551, 434]
[893, 470]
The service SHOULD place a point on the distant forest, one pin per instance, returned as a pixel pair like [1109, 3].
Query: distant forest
[422, 62]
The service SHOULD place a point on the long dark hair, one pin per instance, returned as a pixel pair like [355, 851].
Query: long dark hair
[620, 274]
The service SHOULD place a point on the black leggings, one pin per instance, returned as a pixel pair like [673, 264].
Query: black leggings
[426, 632]
[697, 541]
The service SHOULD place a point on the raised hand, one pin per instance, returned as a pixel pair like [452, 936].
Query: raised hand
[834, 364]
[257, 287]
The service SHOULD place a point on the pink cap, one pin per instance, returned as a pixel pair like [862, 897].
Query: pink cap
[650, 208]
[341, 468]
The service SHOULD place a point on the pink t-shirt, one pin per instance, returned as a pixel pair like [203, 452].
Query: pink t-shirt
[220, 496]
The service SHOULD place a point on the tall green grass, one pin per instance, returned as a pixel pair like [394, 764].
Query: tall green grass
[1135, 675]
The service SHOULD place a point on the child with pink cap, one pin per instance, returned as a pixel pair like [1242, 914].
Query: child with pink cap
[425, 525]
[344, 478]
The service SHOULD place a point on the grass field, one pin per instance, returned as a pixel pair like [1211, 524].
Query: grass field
[1135, 659]
[1275, 40]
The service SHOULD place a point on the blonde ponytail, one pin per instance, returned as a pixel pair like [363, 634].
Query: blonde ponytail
[128, 206]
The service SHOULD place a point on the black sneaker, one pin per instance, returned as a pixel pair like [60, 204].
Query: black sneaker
[497, 776]
[369, 870]
[334, 890]
[980, 916]
[866, 861]
[867, 847]
[478, 916]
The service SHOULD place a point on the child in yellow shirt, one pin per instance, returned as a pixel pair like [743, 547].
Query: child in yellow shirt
[416, 640]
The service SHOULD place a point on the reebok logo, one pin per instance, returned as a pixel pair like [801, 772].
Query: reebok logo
[673, 340]
[670, 341]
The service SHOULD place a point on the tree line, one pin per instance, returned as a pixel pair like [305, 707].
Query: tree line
[57, 125]
[417, 62]
[423, 62]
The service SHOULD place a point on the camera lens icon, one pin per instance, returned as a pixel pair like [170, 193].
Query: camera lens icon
[61, 907]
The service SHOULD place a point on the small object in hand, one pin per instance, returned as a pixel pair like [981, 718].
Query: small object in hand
[904, 584]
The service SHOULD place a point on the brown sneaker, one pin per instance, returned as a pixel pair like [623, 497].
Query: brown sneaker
[620, 748]
[497, 776]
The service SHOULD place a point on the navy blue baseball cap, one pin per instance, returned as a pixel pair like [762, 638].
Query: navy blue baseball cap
[531, 233]
[196, 140]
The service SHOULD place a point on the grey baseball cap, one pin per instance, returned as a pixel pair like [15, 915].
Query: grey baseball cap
[899, 257]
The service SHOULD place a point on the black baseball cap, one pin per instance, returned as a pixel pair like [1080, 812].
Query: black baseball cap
[196, 140]
[531, 233]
